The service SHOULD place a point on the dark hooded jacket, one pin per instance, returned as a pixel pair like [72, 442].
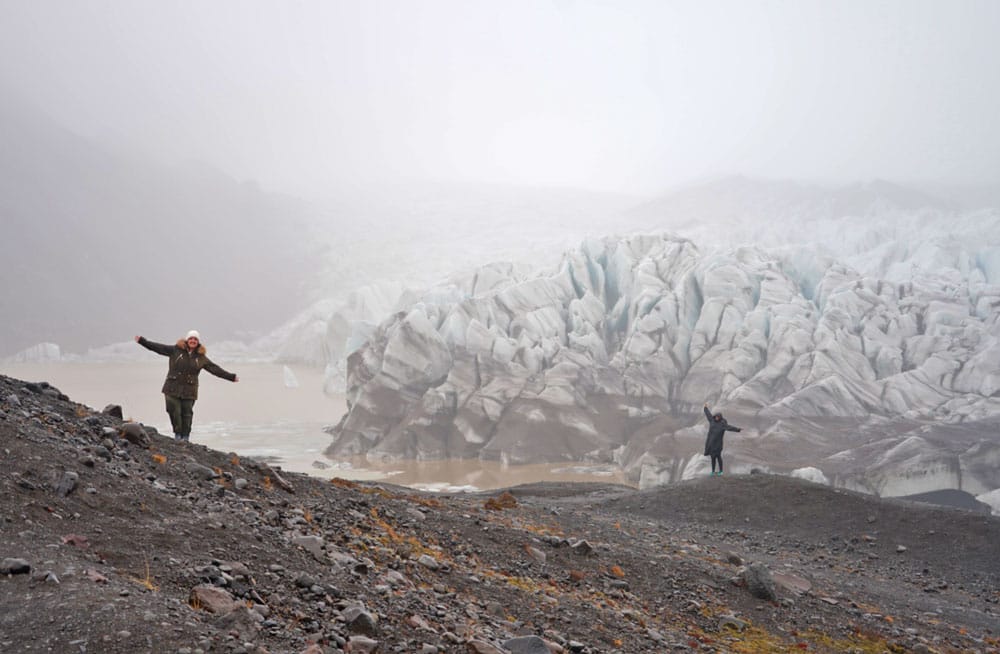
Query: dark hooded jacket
[716, 432]
[182, 375]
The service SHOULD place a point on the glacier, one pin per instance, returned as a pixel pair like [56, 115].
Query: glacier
[861, 349]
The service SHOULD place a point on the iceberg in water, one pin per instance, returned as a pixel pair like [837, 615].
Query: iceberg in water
[41, 353]
[993, 499]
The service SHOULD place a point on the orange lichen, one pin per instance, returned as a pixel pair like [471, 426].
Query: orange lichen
[502, 501]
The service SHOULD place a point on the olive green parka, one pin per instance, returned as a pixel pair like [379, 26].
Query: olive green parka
[182, 375]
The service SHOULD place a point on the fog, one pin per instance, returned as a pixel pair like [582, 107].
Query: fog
[631, 96]
[223, 165]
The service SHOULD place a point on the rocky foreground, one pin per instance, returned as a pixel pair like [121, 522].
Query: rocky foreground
[114, 538]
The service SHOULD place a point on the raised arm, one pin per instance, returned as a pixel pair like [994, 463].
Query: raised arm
[708, 414]
[159, 348]
[219, 372]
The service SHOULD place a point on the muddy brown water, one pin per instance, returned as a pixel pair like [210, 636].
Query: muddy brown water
[261, 417]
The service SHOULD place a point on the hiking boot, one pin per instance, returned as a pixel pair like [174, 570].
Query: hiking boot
[178, 437]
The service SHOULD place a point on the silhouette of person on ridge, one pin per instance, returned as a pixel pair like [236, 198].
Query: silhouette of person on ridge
[717, 428]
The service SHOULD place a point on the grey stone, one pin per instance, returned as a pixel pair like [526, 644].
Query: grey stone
[67, 484]
[428, 562]
[759, 581]
[114, 410]
[311, 544]
[535, 553]
[360, 621]
[305, 581]
[134, 433]
[361, 644]
[201, 472]
[212, 599]
[526, 645]
[14, 567]
[732, 622]
[482, 647]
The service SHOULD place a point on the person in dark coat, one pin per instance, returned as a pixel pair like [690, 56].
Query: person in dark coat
[717, 428]
[187, 359]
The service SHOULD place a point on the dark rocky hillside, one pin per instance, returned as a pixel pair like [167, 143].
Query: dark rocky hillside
[114, 538]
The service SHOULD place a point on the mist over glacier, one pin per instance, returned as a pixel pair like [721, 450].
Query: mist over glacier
[858, 320]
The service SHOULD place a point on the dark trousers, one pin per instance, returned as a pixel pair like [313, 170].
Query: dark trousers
[181, 412]
[717, 457]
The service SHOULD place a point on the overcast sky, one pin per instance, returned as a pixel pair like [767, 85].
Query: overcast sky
[630, 96]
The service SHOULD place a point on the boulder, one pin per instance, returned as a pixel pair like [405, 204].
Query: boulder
[759, 581]
[212, 599]
[134, 433]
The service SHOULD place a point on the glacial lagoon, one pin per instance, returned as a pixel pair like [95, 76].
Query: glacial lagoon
[278, 417]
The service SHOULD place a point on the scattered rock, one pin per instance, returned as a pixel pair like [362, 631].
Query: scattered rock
[312, 544]
[361, 645]
[14, 567]
[348, 566]
[212, 599]
[526, 645]
[75, 540]
[360, 621]
[428, 562]
[536, 554]
[241, 620]
[67, 484]
[731, 622]
[482, 647]
[791, 583]
[759, 581]
[276, 479]
[134, 433]
[418, 622]
[113, 410]
[201, 472]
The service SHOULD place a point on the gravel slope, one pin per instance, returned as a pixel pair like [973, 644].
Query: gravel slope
[154, 546]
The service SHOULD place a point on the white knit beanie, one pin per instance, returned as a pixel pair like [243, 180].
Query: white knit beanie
[193, 334]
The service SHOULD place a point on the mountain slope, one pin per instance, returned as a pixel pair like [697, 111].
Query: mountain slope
[98, 245]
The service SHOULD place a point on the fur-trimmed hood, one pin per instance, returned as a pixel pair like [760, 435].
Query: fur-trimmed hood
[182, 344]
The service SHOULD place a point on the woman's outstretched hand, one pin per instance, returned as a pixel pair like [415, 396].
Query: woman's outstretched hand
[137, 338]
[706, 405]
[236, 378]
